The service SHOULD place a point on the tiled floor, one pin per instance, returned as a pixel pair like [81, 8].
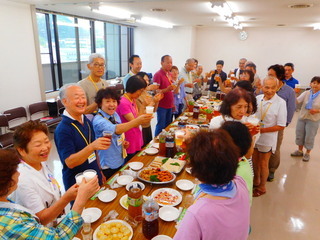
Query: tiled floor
[291, 208]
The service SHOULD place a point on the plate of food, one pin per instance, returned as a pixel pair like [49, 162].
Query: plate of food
[107, 230]
[124, 201]
[174, 165]
[188, 114]
[192, 127]
[167, 197]
[156, 176]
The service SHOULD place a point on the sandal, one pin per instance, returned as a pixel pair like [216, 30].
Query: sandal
[257, 193]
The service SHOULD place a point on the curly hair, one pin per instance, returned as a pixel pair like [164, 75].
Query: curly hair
[106, 93]
[23, 134]
[9, 161]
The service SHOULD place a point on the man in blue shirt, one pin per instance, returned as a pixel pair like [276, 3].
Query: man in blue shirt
[289, 79]
[74, 137]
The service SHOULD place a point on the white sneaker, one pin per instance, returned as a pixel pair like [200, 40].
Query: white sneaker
[306, 157]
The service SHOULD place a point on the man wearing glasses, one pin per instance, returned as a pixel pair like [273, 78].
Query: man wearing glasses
[94, 82]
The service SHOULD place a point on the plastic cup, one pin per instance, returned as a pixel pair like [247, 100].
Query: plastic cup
[254, 121]
[79, 178]
[86, 235]
[179, 137]
[89, 174]
[87, 223]
[149, 109]
[107, 134]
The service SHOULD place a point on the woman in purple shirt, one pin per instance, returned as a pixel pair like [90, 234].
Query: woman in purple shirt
[128, 111]
[221, 209]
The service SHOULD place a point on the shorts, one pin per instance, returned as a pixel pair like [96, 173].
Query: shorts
[263, 149]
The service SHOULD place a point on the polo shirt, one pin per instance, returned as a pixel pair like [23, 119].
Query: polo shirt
[126, 78]
[69, 141]
[161, 77]
[275, 115]
[111, 157]
[91, 88]
[291, 82]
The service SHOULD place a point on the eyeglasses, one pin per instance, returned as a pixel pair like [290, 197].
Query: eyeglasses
[97, 65]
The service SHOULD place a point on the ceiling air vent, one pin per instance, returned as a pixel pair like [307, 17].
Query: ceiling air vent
[298, 6]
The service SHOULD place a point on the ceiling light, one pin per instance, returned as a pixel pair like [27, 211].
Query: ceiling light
[112, 11]
[300, 6]
[155, 22]
[316, 26]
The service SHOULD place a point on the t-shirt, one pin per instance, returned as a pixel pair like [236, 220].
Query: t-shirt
[164, 79]
[91, 88]
[134, 135]
[304, 113]
[212, 219]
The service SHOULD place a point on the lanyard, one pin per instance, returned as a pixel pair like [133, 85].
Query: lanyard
[94, 84]
[106, 117]
[84, 138]
[263, 115]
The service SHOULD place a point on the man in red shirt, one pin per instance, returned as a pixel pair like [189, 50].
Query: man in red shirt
[163, 78]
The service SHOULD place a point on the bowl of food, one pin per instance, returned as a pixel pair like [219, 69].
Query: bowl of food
[107, 230]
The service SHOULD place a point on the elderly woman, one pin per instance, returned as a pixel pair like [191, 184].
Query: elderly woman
[145, 100]
[18, 222]
[234, 107]
[128, 111]
[221, 210]
[112, 159]
[38, 190]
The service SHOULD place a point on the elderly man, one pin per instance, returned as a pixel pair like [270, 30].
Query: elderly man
[288, 95]
[94, 82]
[240, 69]
[198, 80]
[164, 79]
[186, 74]
[135, 64]
[272, 113]
[289, 79]
[74, 137]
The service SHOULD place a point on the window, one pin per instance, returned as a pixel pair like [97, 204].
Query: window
[66, 43]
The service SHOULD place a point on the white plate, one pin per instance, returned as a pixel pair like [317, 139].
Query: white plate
[107, 195]
[161, 237]
[192, 127]
[142, 186]
[184, 184]
[170, 191]
[94, 213]
[115, 221]
[136, 165]
[151, 151]
[156, 145]
[168, 213]
[123, 201]
[124, 179]
[184, 118]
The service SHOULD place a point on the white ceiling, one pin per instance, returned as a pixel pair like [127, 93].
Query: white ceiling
[252, 13]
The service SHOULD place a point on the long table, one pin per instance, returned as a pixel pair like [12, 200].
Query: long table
[165, 228]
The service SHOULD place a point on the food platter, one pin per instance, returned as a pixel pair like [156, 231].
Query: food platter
[113, 227]
[146, 173]
[167, 197]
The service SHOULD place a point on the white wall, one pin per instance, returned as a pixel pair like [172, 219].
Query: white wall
[151, 43]
[19, 81]
[264, 46]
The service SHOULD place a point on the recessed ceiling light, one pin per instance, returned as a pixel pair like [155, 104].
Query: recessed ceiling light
[252, 19]
[300, 6]
[158, 10]
[281, 25]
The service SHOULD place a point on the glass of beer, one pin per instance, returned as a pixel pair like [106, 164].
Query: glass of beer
[107, 134]
[179, 137]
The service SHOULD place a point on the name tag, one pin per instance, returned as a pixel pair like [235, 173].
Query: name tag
[120, 141]
[215, 85]
[92, 158]
[261, 124]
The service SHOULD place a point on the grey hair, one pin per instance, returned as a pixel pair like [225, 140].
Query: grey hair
[243, 59]
[93, 56]
[63, 89]
[270, 78]
[190, 60]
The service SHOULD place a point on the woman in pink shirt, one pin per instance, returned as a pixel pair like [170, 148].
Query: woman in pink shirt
[221, 209]
[128, 111]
